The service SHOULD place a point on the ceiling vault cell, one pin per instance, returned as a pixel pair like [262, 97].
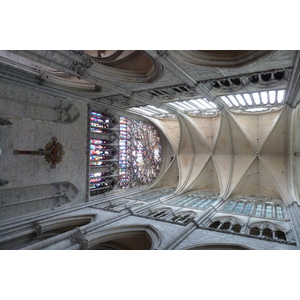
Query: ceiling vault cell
[257, 181]
[171, 130]
[243, 154]
[170, 176]
[186, 154]
[274, 155]
[222, 154]
[257, 128]
[204, 131]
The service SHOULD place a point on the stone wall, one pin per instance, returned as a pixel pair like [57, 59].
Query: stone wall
[37, 117]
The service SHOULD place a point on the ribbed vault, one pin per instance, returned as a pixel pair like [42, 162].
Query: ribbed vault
[233, 153]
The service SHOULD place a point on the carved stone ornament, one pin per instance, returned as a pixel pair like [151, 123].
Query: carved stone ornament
[80, 68]
[53, 152]
[78, 238]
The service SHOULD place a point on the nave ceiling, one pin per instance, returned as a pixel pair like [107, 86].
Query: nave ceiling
[231, 154]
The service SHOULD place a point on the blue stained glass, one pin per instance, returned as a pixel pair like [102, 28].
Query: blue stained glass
[96, 114]
[239, 207]
[98, 163]
[269, 211]
[247, 208]
[229, 206]
[279, 213]
[259, 209]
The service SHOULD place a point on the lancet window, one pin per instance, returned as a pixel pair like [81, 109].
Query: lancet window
[196, 201]
[103, 150]
[257, 207]
[255, 102]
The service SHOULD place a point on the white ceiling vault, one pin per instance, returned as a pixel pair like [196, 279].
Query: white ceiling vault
[232, 154]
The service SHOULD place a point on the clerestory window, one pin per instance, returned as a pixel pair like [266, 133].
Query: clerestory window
[256, 101]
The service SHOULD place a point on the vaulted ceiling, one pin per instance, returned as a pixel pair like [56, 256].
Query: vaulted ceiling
[232, 152]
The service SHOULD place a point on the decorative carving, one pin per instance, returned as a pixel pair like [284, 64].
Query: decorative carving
[78, 238]
[67, 190]
[53, 152]
[81, 67]
[4, 122]
[38, 228]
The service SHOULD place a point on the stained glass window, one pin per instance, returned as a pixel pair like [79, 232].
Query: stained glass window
[139, 153]
[259, 209]
[99, 120]
[131, 148]
[238, 207]
[279, 213]
[247, 208]
[269, 211]
[102, 151]
[229, 206]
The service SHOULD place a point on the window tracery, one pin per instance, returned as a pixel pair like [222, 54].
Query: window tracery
[123, 151]
[263, 230]
[255, 205]
[140, 153]
[227, 224]
[103, 152]
[200, 200]
[254, 102]
[268, 231]
[197, 106]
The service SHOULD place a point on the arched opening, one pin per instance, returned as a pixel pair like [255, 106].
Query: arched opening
[126, 243]
[215, 224]
[45, 230]
[267, 232]
[280, 235]
[220, 247]
[255, 231]
[226, 226]
[236, 228]
[124, 238]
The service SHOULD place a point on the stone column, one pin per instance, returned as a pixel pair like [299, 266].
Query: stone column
[293, 211]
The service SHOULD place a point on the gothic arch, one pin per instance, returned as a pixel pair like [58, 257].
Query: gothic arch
[63, 224]
[23, 201]
[146, 237]
[220, 58]
[126, 66]
[44, 229]
[229, 246]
